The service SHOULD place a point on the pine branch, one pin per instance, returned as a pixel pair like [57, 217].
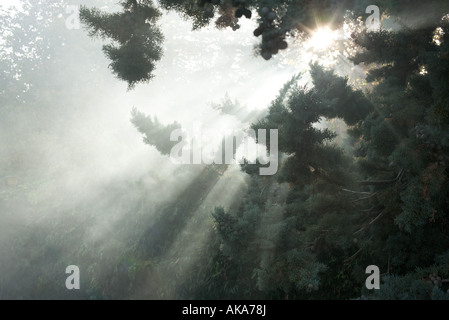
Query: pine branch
[263, 190]
[381, 182]
[376, 183]
[366, 198]
[360, 230]
[377, 218]
[353, 256]
[368, 210]
[371, 223]
[355, 192]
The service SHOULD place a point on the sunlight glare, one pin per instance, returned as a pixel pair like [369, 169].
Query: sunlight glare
[322, 38]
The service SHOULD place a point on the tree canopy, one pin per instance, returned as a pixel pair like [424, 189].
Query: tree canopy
[363, 176]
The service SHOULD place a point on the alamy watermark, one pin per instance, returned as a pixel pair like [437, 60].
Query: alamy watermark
[373, 22]
[72, 21]
[73, 281]
[233, 147]
[373, 281]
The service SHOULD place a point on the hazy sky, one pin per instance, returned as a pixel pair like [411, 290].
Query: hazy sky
[7, 3]
[198, 68]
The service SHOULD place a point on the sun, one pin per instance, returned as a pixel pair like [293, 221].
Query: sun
[322, 38]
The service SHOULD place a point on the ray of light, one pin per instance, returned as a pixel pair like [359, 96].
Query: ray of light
[322, 39]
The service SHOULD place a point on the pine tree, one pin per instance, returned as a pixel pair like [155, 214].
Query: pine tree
[155, 133]
[311, 231]
[403, 147]
[136, 40]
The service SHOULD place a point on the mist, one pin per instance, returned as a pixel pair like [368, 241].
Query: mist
[86, 179]
[74, 168]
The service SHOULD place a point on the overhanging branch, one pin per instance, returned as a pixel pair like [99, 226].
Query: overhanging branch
[377, 218]
[365, 198]
[381, 182]
[371, 223]
[355, 192]
[353, 256]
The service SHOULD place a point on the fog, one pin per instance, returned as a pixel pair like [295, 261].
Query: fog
[77, 184]
[73, 167]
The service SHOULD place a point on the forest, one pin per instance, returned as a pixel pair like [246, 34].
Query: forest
[97, 96]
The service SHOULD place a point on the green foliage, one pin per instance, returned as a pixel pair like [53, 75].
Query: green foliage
[340, 99]
[155, 134]
[423, 283]
[201, 16]
[136, 40]
[397, 216]
[296, 111]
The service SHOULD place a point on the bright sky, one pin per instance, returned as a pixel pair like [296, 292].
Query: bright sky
[7, 3]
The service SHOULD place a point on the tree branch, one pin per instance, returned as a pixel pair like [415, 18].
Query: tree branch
[353, 256]
[376, 183]
[261, 192]
[377, 218]
[360, 230]
[381, 182]
[355, 192]
[368, 210]
[366, 198]
[371, 223]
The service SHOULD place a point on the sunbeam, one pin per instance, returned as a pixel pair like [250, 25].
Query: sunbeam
[322, 39]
